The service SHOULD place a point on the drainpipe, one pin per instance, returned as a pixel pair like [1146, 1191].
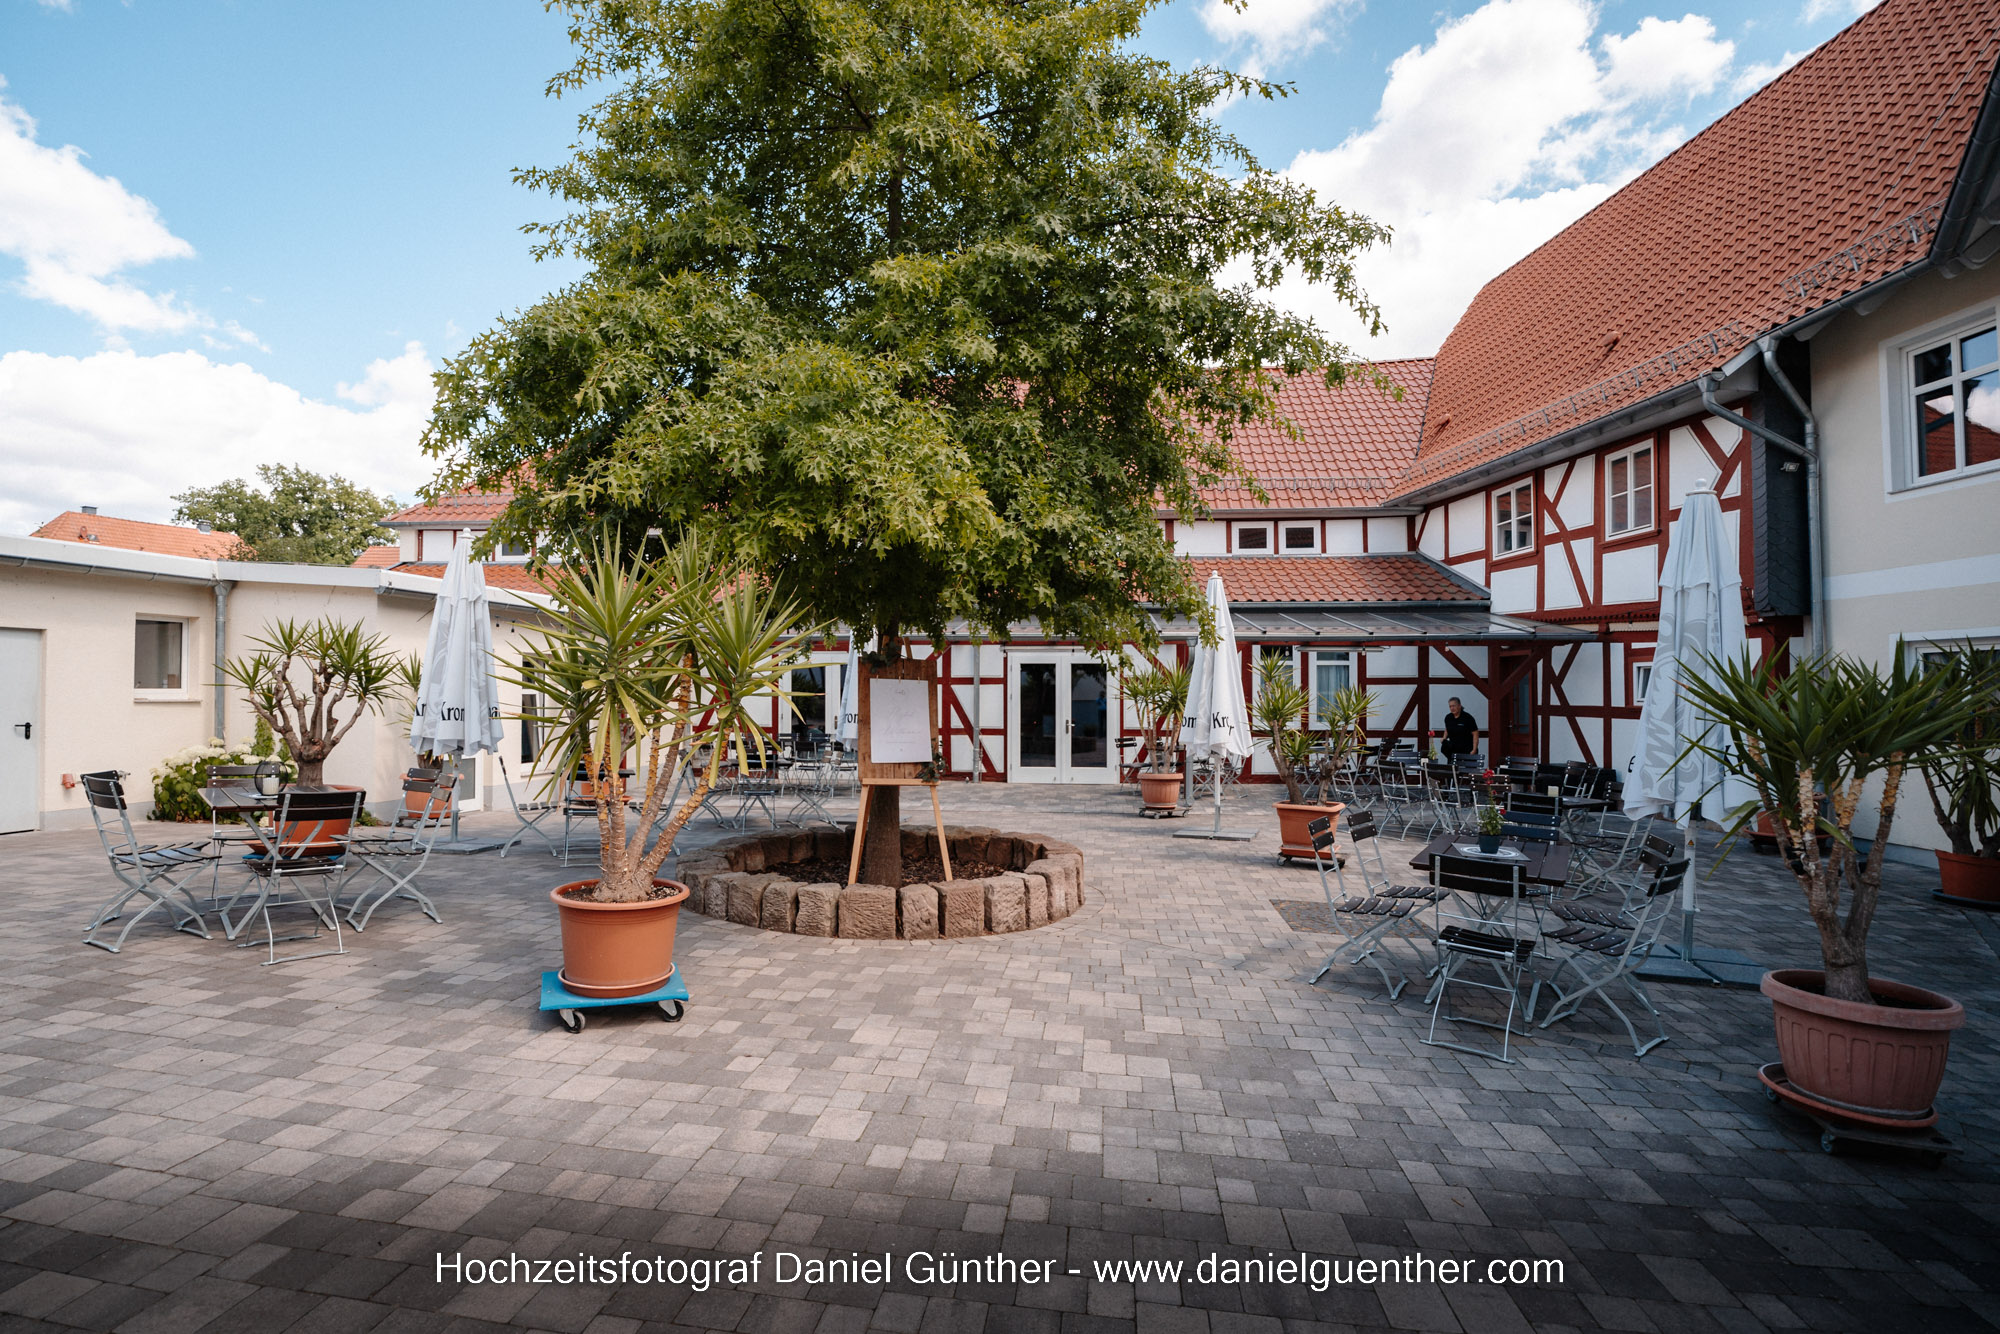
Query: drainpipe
[222, 587]
[1809, 452]
[978, 737]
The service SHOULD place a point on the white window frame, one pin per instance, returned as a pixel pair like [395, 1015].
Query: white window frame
[1900, 386]
[1269, 531]
[1642, 680]
[1518, 522]
[184, 691]
[1284, 530]
[1652, 491]
[502, 556]
[1308, 669]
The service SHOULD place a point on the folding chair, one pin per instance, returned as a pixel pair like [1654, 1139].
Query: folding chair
[1601, 948]
[398, 857]
[1604, 860]
[1484, 920]
[757, 785]
[299, 850]
[812, 787]
[528, 815]
[151, 871]
[1533, 817]
[1370, 920]
[1404, 798]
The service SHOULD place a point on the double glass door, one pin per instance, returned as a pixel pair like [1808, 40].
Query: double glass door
[1061, 714]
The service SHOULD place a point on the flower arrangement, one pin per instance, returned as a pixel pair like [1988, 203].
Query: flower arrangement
[1491, 820]
[179, 778]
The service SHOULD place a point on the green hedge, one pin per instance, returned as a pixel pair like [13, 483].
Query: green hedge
[179, 778]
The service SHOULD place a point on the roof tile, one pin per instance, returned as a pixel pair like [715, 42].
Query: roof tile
[1388, 577]
[167, 539]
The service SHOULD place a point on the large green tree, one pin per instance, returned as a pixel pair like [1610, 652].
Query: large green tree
[922, 303]
[299, 515]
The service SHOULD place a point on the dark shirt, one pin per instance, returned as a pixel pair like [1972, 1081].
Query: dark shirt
[1459, 731]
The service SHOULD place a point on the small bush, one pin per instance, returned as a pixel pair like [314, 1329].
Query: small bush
[179, 778]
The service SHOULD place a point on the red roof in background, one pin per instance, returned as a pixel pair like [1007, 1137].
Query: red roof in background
[1400, 577]
[1738, 231]
[168, 539]
[1354, 443]
[378, 557]
[514, 578]
[476, 508]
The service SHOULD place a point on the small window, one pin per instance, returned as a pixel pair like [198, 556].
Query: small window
[1327, 673]
[512, 551]
[1514, 518]
[1255, 538]
[159, 661]
[1302, 537]
[531, 728]
[1955, 408]
[1628, 492]
[1642, 677]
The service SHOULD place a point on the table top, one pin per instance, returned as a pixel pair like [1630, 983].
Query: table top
[236, 800]
[1548, 863]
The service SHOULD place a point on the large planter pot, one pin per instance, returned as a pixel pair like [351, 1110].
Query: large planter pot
[1879, 1062]
[1294, 840]
[1964, 879]
[1160, 792]
[325, 834]
[617, 949]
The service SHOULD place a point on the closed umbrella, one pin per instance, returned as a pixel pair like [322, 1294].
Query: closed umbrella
[458, 700]
[1217, 726]
[848, 730]
[1701, 620]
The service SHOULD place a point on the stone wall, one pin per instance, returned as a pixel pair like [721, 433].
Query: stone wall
[743, 880]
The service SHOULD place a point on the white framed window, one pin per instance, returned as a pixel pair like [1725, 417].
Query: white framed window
[1628, 491]
[1299, 538]
[1642, 677]
[1514, 518]
[159, 658]
[1253, 538]
[511, 551]
[1948, 422]
[1326, 671]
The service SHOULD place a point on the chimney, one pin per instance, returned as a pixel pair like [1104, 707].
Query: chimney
[90, 509]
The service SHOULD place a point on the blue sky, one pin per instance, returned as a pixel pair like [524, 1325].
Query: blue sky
[233, 232]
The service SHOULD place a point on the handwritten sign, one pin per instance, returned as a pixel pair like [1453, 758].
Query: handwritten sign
[899, 721]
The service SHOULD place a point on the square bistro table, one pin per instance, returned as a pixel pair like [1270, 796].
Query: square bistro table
[1547, 863]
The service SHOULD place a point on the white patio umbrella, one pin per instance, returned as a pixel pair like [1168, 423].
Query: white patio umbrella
[458, 700]
[1701, 613]
[847, 731]
[1217, 725]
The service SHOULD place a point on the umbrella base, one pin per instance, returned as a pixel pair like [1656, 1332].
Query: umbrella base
[1229, 835]
[1715, 967]
[467, 845]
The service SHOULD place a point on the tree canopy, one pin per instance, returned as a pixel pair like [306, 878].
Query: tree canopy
[299, 516]
[925, 306]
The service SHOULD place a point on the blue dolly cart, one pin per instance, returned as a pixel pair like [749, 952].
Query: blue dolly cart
[569, 1007]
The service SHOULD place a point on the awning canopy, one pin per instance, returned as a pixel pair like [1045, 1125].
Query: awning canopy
[1362, 626]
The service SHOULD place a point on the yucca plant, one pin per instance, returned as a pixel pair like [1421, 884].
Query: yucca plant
[657, 657]
[1964, 782]
[1279, 709]
[304, 674]
[1160, 694]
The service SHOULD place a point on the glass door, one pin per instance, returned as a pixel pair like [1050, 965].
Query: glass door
[1060, 709]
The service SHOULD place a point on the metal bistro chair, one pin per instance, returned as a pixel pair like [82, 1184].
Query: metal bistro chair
[528, 815]
[1370, 920]
[1484, 921]
[1404, 797]
[399, 857]
[757, 784]
[1602, 948]
[151, 871]
[812, 787]
[299, 850]
[1533, 817]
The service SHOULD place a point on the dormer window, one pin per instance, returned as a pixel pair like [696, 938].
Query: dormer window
[1253, 539]
[1301, 538]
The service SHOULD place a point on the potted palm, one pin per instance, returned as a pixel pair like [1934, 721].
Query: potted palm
[1964, 782]
[1159, 694]
[1279, 710]
[1858, 1046]
[662, 660]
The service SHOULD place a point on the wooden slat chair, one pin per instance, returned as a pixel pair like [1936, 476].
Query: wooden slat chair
[1602, 948]
[1371, 919]
[399, 856]
[1608, 859]
[298, 851]
[1484, 921]
[155, 872]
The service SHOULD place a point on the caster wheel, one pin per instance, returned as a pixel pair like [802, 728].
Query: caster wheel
[671, 1011]
[571, 1019]
[1770, 1095]
[1826, 1142]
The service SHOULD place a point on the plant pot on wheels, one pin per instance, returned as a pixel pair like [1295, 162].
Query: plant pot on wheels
[1294, 838]
[617, 949]
[1161, 791]
[1879, 1064]
[1971, 880]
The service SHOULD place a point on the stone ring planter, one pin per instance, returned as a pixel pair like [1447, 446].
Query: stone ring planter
[743, 880]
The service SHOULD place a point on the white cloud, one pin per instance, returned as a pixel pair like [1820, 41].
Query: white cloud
[1752, 77]
[76, 232]
[1269, 32]
[125, 432]
[1506, 128]
[1816, 10]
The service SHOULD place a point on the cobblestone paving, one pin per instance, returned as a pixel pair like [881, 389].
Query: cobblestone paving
[191, 1142]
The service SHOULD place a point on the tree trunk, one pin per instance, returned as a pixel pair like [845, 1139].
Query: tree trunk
[312, 771]
[882, 850]
[1848, 981]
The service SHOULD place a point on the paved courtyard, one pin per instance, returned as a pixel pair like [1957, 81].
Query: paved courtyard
[190, 1142]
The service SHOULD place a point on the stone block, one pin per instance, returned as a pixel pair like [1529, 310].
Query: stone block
[918, 840]
[868, 912]
[970, 845]
[1061, 874]
[1006, 903]
[748, 855]
[715, 894]
[777, 846]
[999, 851]
[918, 905]
[780, 904]
[1038, 898]
[832, 843]
[746, 898]
[963, 904]
[800, 845]
[817, 911]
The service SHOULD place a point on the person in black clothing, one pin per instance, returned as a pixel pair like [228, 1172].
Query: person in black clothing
[1461, 730]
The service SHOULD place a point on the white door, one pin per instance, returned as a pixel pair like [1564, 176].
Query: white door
[20, 729]
[1060, 711]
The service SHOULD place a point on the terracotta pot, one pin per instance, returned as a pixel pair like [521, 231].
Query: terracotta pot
[326, 835]
[1294, 840]
[1877, 1060]
[1969, 879]
[617, 949]
[1160, 791]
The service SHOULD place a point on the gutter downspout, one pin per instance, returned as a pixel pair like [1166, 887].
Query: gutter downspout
[222, 587]
[1809, 452]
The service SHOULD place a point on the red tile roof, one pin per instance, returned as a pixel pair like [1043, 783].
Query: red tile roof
[168, 539]
[1354, 444]
[378, 557]
[1825, 181]
[514, 578]
[474, 509]
[1315, 579]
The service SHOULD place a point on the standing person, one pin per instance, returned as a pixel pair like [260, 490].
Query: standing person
[1461, 730]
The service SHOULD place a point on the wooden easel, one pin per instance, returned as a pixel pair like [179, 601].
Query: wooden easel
[872, 775]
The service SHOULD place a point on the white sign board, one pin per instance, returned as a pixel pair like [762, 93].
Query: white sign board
[899, 721]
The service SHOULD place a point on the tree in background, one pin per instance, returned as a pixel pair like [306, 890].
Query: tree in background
[919, 303]
[299, 516]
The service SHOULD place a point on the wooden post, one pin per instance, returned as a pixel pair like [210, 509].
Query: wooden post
[944, 844]
[860, 828]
